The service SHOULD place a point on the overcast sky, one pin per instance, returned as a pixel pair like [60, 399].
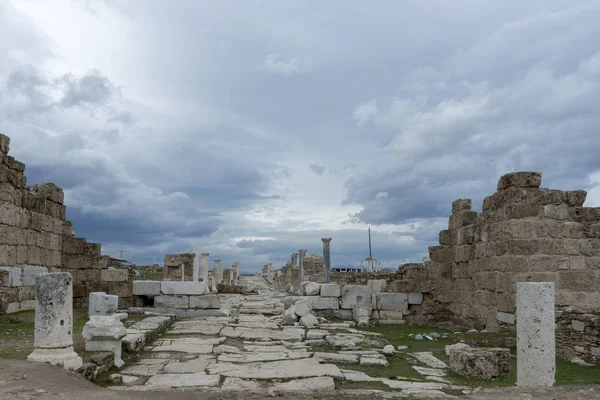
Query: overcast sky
[250, 129]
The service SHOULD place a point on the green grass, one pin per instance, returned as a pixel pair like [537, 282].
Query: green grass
[567, 373]
[16, 339]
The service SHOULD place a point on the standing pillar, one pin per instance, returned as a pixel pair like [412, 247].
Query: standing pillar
[53, 338]
[536, 345]
[203, 270]
[295, 271]
[301, 254]
[270, 271]
[327, 258]
[236, 272]
[219, 270]
[195, 265]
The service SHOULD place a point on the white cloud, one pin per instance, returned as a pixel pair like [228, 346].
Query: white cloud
[382, 195]
[365, 112]
[279, 65]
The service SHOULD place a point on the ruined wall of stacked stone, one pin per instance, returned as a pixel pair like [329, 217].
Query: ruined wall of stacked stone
[524, 234]
[172, 267]
[314, 268]
[34, 238]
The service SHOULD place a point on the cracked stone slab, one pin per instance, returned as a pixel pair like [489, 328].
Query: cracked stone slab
[357, 376]
[409, 385]
[143, 369]
[430, 371]
[189, 367]
[337, 358]
[309, 385]
[183, 380]
[289, 334]
[265, 356]
[427, 358]
[288, 369]
[237, 384]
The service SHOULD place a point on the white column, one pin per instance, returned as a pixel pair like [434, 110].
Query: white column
[536, 343]
[203, 270]
[196, 266]
[53, 337]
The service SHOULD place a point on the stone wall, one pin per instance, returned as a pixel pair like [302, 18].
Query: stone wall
[35, 237]
[524, 234]
[577, 335]
[172, 267]
[314, 268]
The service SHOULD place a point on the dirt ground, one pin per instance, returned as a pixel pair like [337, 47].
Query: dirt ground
[23, 380]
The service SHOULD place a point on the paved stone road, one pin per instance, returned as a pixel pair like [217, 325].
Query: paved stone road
[252, 351]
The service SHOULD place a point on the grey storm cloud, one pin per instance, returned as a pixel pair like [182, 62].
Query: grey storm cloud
[317, 169]
[215, 143]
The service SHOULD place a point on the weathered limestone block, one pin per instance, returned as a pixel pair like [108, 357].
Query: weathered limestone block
[53, 337]
[461, 205]
[290, 316]
[441, 253]
[172, 301]
[331, 290]
[415, 298]
[536, 360]
[480, 363]
[312, 289]
[392, 301]
[30, 272]
[325, 303]
[377, 285]
[15, 279]
[102, 304]
[461, 219]
[354, 294]
[183, 288]
[303, 307]
[506, 318]
[520, 179]
[309, 321]
[207, 301]
[146, 288]
[105, 333]
[445, 237]
[114, 275]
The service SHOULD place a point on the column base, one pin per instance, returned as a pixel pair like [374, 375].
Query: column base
[65, 357]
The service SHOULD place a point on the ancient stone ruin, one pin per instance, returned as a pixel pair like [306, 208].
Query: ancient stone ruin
[529, 262]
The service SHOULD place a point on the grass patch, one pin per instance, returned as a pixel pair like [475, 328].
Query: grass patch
[362, 385]
[16, 338]
[567, 373]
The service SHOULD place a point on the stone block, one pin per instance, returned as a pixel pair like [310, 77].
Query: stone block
[391, 315]
[15, 279]
[506, 318]
[114, 275]
[536, 353]
[578, 325]
[445, 237]
[575, 198]
[54, 310]
[30, 272]
[354, 294]
[325, 303]
[577, 280]
[392, 301]
[183, 288]
[520, 179]
[331, 290]
[441, 253]
[207, 301]
[480, 363]
[303, 307]
[377, 285]
[171, 301]
[312, 289]
[415, 298]
[461, 205]
[102, 304]
[146, 288]
[462, 219]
